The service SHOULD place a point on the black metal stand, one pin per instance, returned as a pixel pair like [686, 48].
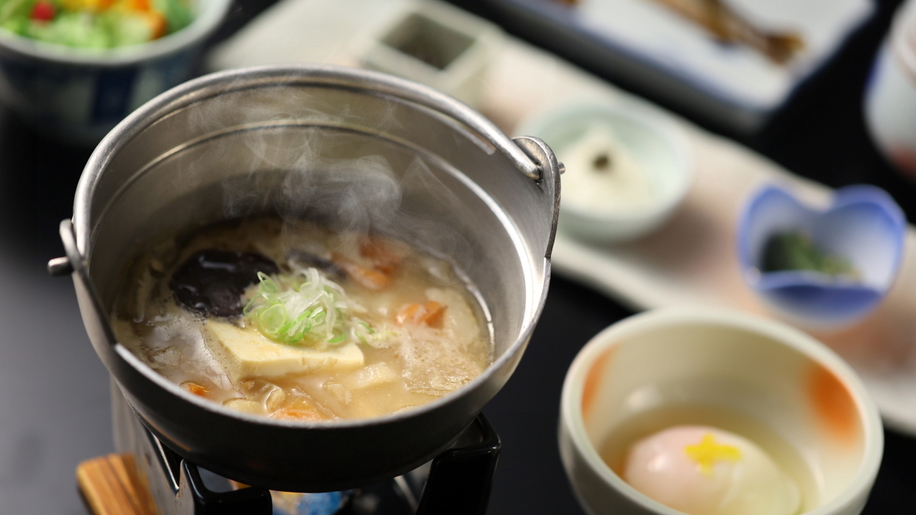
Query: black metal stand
[460, 478]
[458, 483]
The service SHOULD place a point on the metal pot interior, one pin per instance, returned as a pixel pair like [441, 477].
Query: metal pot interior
[340, 151]
[434, 208]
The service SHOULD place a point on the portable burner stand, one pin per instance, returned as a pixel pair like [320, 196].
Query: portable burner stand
[146, 478]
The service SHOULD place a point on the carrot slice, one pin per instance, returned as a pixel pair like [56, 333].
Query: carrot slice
[372, 279]
[195, 388]
[384, 255]
[434, 314]
[409, 313]
[430, 314]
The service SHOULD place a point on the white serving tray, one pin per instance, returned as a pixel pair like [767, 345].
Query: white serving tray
[691, 260]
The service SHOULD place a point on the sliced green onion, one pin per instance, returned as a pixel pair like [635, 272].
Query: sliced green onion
[272, 318]
[303, 308]
[267, 284]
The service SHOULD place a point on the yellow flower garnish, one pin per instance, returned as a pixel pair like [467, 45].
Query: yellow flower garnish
[708, 452]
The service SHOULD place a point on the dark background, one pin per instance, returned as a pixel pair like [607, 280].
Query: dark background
[54, 407]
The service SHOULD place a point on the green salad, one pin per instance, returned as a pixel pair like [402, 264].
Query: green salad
[95, 23]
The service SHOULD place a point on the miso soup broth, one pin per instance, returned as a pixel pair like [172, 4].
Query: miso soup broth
[291, 321]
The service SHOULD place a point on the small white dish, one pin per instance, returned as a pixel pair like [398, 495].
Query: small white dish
[627, 168]
[771, 383]
[438, 45]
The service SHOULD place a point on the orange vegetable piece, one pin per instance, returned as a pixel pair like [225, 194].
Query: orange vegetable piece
[430, 314]
[91, 5]
[408, 313]
[384, 256]
[157, 23]
[372, 279]
[434, 314]
[195, 388]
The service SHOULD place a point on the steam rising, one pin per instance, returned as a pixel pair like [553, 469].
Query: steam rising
[303, 157]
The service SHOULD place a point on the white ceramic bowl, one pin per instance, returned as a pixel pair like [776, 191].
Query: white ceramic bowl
[651, 174]
[890, 93]
[689, 365]
[77, 94]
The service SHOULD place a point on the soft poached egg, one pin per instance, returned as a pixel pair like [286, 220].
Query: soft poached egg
[702, 470]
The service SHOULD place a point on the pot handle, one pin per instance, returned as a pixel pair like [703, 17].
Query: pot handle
[549, 183]
[73, 264]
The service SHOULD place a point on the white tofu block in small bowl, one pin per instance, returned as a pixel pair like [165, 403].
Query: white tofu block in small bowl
[627, 168]
[438, 45]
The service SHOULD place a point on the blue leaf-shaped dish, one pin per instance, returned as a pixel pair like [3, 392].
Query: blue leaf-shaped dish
[863, 225]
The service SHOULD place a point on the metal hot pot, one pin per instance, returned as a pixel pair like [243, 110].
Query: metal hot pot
[279, 139]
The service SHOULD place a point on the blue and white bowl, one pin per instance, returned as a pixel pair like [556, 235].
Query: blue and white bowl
[863, 225]
[77, 95]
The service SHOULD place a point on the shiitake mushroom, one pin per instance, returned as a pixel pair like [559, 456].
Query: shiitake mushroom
[212, 282]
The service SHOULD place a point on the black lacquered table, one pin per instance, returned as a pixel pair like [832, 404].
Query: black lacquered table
[54, 398]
